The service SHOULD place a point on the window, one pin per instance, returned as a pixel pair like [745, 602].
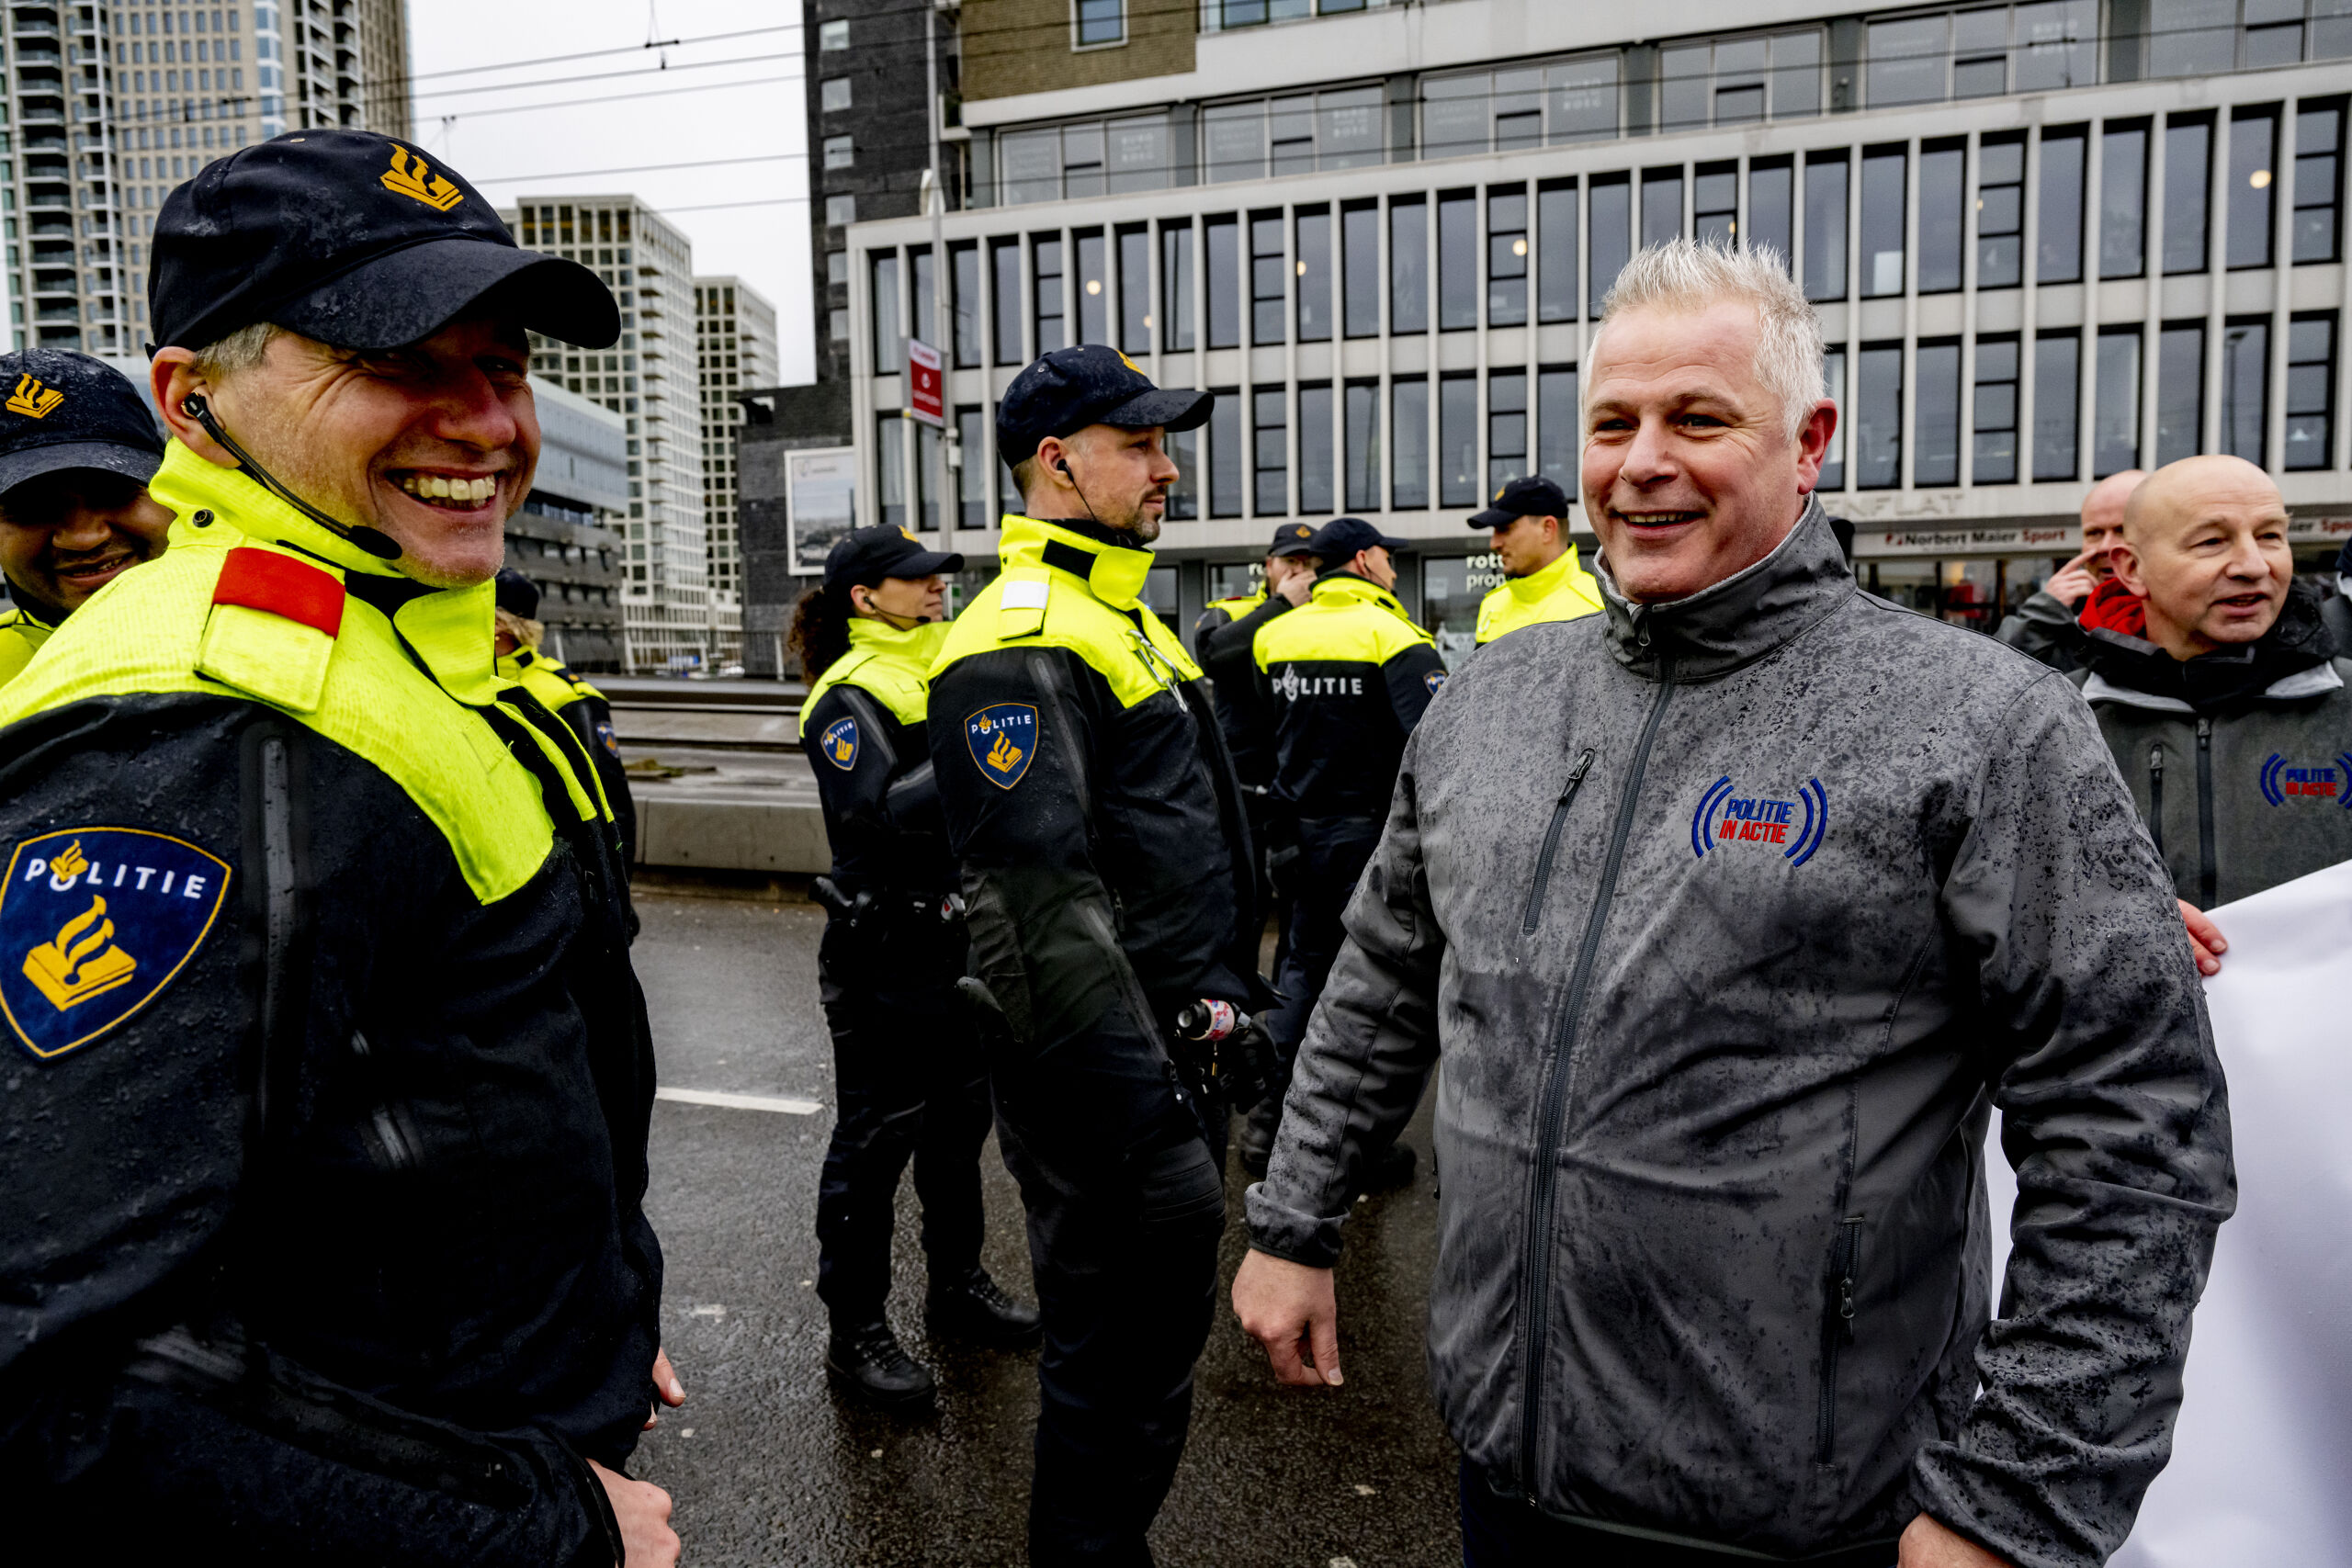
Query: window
[1457, 261]
[1269, 289]
[2180, 391]
[1004, 271]
[1314, 269]
[1993, 416]
[889, 336]
[1046, 285]
[2188, 150]
[1878, 418]
[2192, 38]
[926, 296]
[2000, 211]
[1176, 285]
[2311, 391]
[1220, 244]
[2057, 394]
[1360, 268]
[2245, 387]
[1184, 492]
[1935, 415]
[1506, 427]
[840, 152]
[2058, 247]
[1575, 100]
[1135, 288]
[1359, 441]
[1661, 206]
[837, 325]
[1457, 441]
[1726, 82]
[836, 268]
[2123, 201]
[841, 211]
[2254, 157]
[926, 477]
[1884, 172]
[1908, 61]
[1408, 438]
[1008, 491]
[1770, 206]
[1408, 266]
[1315, 472]
[1558, 437]
[890, 465]
[2115, 416]
[1100, 22]
[1612, 237]
[1556, 250]
[1225, 454]
[1093, 291]
[1506, 255]
[1343, 129]
[1825, 226]
[2318, 161]
[1943, 196]
[832, 37]
[1272, 451]
[832, 94]
[972, 476]
[1833, 384]
[1714, 204]
[963, 301]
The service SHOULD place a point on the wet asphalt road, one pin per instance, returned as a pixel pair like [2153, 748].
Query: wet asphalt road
[768, 1467]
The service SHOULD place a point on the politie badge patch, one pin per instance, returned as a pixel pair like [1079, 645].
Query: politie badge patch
[1433, 681]
[607, 737]
[93, 923]
[1002, 738]
[839, 743]
[1725, 817]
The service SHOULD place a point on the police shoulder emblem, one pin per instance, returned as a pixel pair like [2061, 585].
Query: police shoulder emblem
[1433, 679]
[607, 737]
[839, 743]
[1003, 739]
[97, 921]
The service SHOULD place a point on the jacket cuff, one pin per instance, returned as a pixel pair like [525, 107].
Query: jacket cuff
[600, 1545]
[1290, 1234]
[2022, 1524]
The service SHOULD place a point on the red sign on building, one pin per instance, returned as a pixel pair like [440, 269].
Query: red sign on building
[925, 399]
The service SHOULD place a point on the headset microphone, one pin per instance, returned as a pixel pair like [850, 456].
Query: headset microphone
[374, 541]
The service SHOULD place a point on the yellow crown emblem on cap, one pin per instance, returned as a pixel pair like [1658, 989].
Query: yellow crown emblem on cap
[1128, 363]
[1498, 491]
[1304, 531]
[412, 177]
[32, 399]
[909, 535]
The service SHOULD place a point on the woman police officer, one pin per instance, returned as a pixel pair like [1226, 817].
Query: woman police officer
[912, 1083]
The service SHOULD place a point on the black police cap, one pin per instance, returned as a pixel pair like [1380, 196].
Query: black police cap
[1533, 496]
[866, 555]
[1343, 538]
[355, 240]
[61, 410]
[1293, 539]
[517, 594]
[1071, 388]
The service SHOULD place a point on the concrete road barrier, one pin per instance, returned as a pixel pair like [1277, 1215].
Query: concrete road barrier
[731, 835]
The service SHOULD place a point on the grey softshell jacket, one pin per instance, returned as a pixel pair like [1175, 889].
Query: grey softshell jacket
[1727, 921]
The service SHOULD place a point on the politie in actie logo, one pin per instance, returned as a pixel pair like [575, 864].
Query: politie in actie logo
[1002, 738]
[839, 743]
[1727, 819]
[93, 923]
[2283, 781]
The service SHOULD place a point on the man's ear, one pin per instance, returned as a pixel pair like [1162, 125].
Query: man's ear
[2126, 562]
[1812, 444]
[173, 378]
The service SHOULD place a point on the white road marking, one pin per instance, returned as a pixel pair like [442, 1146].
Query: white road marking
[739, 1101]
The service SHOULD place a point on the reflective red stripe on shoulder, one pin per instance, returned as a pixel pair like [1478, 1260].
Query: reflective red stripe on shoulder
[264, 580]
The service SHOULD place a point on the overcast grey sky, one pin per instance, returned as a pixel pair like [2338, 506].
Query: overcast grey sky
[735, 97]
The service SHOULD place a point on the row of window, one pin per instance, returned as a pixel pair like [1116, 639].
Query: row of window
[1531, 425]
[1501, 257]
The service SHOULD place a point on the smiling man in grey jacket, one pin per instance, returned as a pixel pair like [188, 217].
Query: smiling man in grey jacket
[1822, 881]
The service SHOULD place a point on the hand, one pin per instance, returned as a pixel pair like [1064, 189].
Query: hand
[1298, 587]
[2074, 583]
[643, 1511]
[666, 1385]
[1288, 1307]
[1927, 1544]
[2205, 938]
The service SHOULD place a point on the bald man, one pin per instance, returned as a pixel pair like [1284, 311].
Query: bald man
[2229, 719]
[2050, 624]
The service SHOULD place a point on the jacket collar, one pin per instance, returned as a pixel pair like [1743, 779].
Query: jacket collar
[1540, 583]
[1346, 588]
[32, 610]
[917, 645]
[1115, 572]
[2297, 645]
[1733, 623]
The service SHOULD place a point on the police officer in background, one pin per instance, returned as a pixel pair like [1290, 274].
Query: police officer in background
[1345, 677]
[78, 447]
[1221, 640]
[913, 1085]
[1107, 869]
[516, 639]
[325, 1145]
[1542, 581]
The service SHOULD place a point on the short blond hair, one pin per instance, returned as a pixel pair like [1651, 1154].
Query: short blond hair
[241, 350]
[1686, 276]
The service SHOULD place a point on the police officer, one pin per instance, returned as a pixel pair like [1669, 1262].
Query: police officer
[521, 659]
[78, 447]
[913, 1082]
[1346, 677]
[1221, 640]
[1542, 581]
[1107, 870]
[326, 1153]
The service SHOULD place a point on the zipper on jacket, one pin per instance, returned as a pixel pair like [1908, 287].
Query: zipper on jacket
[1837, 1332]
[1536, 1274]
[2207, 875]
[1552, 844]
[2156, 795]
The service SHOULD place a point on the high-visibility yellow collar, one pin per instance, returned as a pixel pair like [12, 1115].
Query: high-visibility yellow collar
[189, 485]
[917, 645]
[1114, 575]
[1341, 586]
[1543, 581]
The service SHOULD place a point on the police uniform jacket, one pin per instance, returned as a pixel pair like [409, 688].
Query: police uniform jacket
[590, 715]
[1346, 677]
[1221, 640]
[1559, 591]
[327, 1117]
[1105, 861]
[864, 729]
[23, 629]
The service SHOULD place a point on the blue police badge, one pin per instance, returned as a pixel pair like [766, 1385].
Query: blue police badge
[839, 743]
[1433, 679]
[1002, 738]
[93, 923]
[606, 738]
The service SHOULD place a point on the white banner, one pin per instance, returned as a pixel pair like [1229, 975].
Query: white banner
[2261, 1472]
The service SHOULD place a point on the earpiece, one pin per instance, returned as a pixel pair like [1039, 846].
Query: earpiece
[1063, 464]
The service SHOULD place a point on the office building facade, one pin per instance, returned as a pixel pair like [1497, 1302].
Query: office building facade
[2047, 241]
[567, 535]
[735, 350]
